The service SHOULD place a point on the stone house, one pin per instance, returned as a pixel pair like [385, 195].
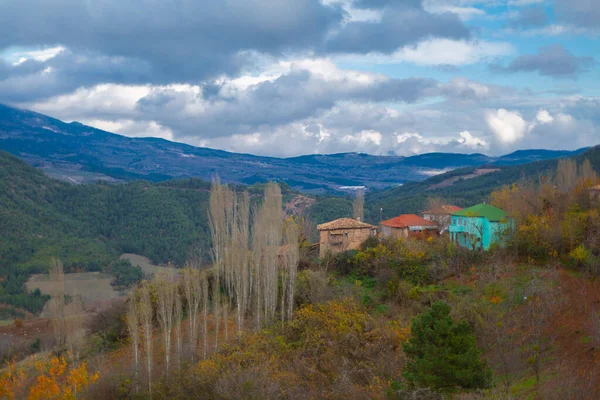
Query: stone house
[343, 234]
[479, 226]
[408, 225]
[441, 216]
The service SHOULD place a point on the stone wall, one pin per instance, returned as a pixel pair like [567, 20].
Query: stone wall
[337, 241]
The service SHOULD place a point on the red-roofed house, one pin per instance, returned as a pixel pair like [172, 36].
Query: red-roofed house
[407, 225]
[441, 216]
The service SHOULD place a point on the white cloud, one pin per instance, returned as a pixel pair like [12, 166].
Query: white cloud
[508, 126]
[544, 117]
[20, 57]
[440, 52]
[464, 12]
[468, 140]
[364, 137]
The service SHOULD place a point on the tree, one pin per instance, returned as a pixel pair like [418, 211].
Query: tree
[178, 319]
[291, 256]
[57, 302]
[358, 206]
[566, 175]
[146, 316]
[192, 290]
[75, 329]
[133, 326]
[442, 354]
[166, 291]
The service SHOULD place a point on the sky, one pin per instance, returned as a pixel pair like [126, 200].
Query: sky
[289, 77]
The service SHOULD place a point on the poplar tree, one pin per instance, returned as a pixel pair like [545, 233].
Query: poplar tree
[57, 302]
[166, 290]
[133, 326]
[145, 317]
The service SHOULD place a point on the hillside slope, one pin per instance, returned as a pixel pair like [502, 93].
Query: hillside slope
[75, 152]
[467, 186]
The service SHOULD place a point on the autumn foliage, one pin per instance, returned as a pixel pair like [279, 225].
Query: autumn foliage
[335, 348]
[55, 379]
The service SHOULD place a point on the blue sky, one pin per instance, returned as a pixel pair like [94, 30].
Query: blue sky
[313, 76]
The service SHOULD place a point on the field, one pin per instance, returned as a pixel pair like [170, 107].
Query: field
[94, 287]
[147, 266]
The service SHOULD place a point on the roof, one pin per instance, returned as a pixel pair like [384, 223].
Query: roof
[491, 213]
[407, 220]
[344, 223]
[445, 209]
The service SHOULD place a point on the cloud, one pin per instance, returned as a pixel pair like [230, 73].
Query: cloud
[555, 61]
[582, 13]
[437, 52]
[507, 126]
[402, 23]
[544, 117]
[530, 18]
[180, 41]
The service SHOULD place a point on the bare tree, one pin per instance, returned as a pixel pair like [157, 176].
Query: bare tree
[75, 328]
[542, 301]
[166, 290]
[434, 203]
[566, 175]
[240, 262]
[57, 302]
[291, 256]
[204, 285]
[178, 320]
[220, 218]
[133, 326]
[358, 205]
[192, 290]
[587, 172]
[146, 316]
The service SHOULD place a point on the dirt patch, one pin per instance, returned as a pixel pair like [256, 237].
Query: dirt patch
[298, 205]
[451, 181]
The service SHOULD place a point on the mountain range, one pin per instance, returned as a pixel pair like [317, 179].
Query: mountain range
[80, 153]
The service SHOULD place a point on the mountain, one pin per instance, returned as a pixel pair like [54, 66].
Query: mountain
[79, 153]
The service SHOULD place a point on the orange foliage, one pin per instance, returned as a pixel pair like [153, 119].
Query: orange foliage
[56, 381]
[10, 381]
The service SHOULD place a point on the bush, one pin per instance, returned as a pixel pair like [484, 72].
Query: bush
[442, 354]
[312, 287]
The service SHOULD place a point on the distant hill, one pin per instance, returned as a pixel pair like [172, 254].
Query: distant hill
[79, 153]
[465, 186]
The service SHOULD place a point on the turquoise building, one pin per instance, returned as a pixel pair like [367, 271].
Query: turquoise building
[479, 226]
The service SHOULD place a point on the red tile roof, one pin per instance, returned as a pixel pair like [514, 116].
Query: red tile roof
[407, 220]
[344, 223]
[445, 209]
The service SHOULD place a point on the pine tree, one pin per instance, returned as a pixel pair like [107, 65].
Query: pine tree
[442, 354]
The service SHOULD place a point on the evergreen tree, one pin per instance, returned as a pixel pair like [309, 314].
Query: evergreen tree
[442, 354]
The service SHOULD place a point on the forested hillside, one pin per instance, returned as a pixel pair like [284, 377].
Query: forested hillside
[89, 226]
